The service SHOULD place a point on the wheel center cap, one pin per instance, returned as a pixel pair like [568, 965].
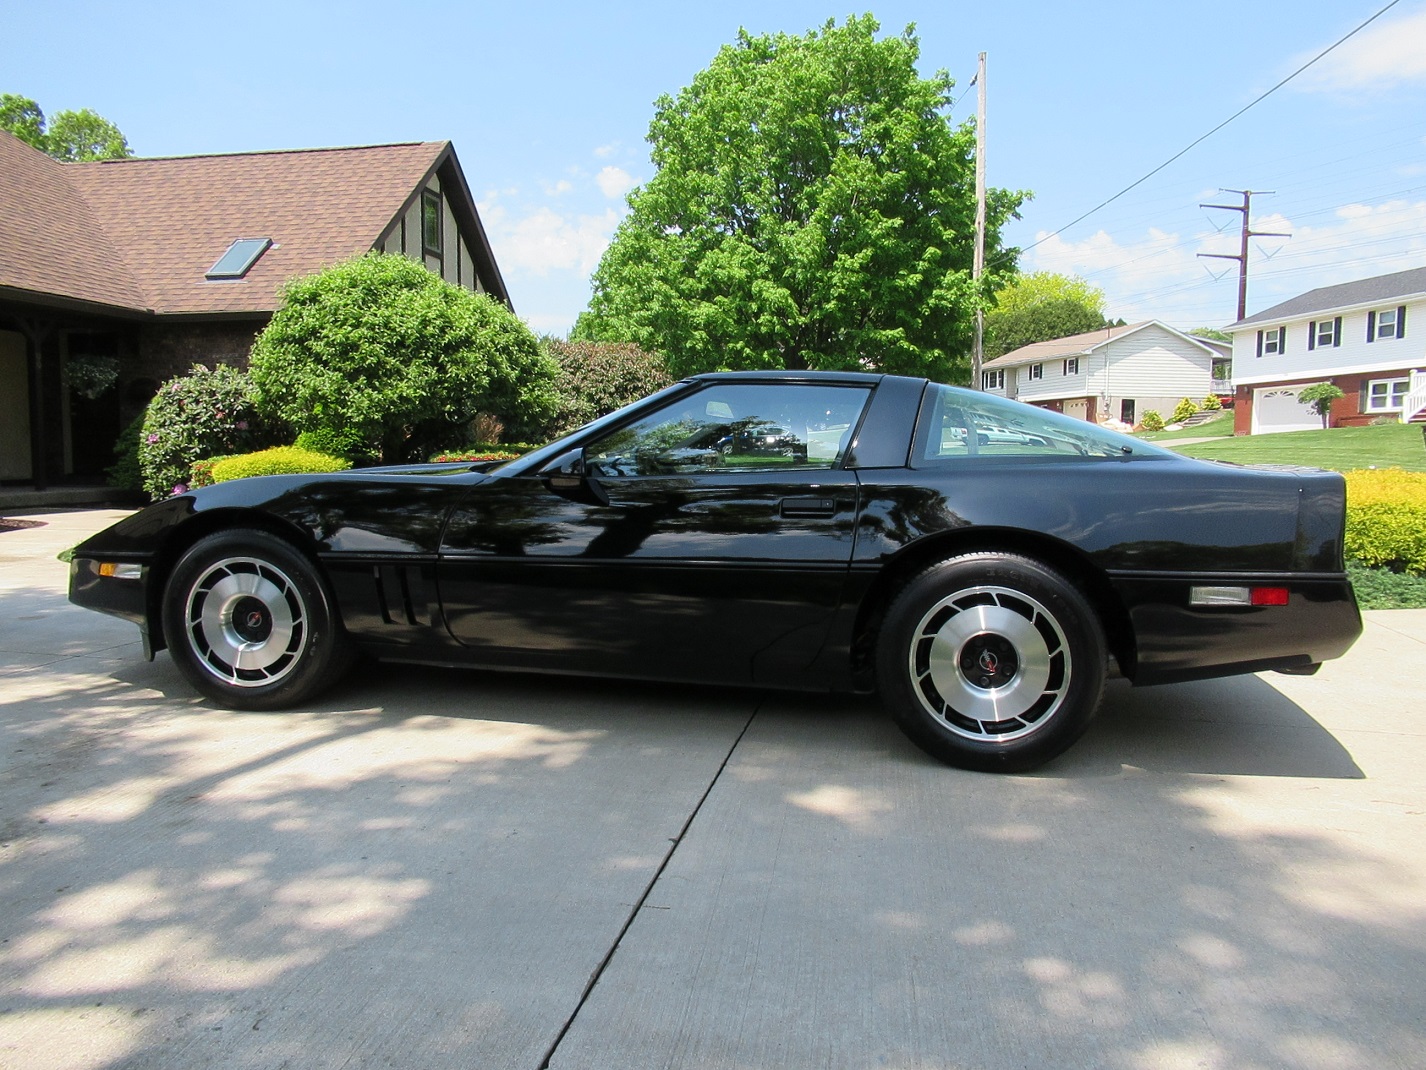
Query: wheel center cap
[989, 660]
[252, 620]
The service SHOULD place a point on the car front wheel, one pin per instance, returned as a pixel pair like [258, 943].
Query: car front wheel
[992, 662]
[250, 623]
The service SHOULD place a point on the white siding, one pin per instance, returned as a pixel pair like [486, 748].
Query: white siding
[1054, 384]
[413, 231]
[1150, 363]
[1355, 354]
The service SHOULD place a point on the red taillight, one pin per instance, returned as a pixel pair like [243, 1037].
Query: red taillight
[1269, 596]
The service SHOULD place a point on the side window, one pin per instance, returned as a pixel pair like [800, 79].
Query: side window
[735, 427]
[960, 425]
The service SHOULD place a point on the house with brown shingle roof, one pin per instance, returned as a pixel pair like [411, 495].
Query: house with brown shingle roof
[152, 265]
[1114, 373]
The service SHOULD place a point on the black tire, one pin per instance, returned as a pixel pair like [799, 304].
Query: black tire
[991, 662]
[249, 621]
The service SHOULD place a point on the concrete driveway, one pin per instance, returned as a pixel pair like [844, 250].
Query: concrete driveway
[441, 869]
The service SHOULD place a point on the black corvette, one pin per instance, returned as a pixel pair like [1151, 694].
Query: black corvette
[984, 584]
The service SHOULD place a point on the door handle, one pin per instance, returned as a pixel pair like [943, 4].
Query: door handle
[796, 508]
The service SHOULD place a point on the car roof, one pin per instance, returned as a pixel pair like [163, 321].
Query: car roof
[809, 376]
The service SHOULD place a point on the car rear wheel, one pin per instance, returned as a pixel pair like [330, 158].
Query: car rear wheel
[991, 661]
[250, 623]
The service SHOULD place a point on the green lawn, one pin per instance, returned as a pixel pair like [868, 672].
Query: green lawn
[1222, 424]
[1340, 449]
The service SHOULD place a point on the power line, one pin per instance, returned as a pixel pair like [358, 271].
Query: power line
[1194, 144]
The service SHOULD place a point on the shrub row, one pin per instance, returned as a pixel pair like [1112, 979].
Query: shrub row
[1386, 518]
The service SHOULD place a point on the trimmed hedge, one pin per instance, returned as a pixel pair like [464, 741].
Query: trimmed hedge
[278, 461]
[1386, 518]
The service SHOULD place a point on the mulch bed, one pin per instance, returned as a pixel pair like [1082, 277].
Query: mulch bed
[11, 524]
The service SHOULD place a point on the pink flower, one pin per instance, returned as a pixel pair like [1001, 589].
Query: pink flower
[153, 438]
[242, 425]
[180, 488]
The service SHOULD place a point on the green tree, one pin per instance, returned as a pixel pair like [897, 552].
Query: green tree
[1213, 334]
[1319, 397]
[379, 348]
[1040, 306]
[72, 135]
[812, 206]
[23, 118]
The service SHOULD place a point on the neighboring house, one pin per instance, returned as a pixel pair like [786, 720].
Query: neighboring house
[1116, 373]
[150, 265]
[1368, 337]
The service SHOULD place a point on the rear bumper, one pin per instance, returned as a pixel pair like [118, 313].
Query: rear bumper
[1175, 641]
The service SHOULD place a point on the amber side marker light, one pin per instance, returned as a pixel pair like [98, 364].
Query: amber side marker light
[117, 571]
[1237, 596]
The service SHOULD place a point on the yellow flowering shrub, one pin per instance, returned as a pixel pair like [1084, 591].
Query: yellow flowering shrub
[1386, 518]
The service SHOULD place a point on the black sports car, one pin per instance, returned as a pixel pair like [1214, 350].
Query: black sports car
[984, 584]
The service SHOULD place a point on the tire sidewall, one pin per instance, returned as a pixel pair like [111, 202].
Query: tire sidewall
[324, 654]
[1076, 619]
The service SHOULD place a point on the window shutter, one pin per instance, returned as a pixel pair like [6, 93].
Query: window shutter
[1312, 335]
[1362, 397]
[1337, 331]
[1260, 343]
[1282, 339]
[1401, 321]
[1371, 326]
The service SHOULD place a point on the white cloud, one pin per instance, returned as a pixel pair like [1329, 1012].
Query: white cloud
[1386, 53]
[1160, 276]
[544, 241]
[557, 189]
[614, 182]
[605, 151]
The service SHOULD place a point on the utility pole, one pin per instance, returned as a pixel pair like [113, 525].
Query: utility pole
[978, 266]
[1242, 255]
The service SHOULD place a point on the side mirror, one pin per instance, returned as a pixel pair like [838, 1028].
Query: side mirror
[568, 476]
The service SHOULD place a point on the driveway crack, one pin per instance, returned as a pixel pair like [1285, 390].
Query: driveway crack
[648, 889]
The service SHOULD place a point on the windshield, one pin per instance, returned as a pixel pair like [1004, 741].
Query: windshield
[958, 423]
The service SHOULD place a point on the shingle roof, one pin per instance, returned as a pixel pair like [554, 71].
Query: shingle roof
[50, 240]
[141, 233]
[1070, 346]
[1379, 289]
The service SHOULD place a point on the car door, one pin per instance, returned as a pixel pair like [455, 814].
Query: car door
[710, 540]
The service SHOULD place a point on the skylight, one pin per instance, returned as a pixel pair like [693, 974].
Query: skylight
[241, 256]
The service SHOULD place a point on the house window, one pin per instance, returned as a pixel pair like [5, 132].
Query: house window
[1273, 341]
[1386, 395]
[1072, 366]
[431, 223]
[1324, 333]
[1126, 411]
[992, 380]
[1037, 371]
[1386, 323]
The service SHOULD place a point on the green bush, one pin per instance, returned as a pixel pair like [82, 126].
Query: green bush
[1386, 518]
[596, 378]
[278, 461]
[1210, 403]
[333, 442]
[1183, 410]
[206, 413]
[1151, 421]
[200, 473]
[494, 453]
[126, 473]
[380, 348]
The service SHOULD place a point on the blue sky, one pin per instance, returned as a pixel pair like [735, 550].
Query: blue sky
[548, 105]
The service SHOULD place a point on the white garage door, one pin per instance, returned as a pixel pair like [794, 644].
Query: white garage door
[1276, 408]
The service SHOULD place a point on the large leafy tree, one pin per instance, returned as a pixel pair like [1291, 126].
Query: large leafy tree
[1040, 306]
[812, 207]
[379, 351]
[71, 135]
